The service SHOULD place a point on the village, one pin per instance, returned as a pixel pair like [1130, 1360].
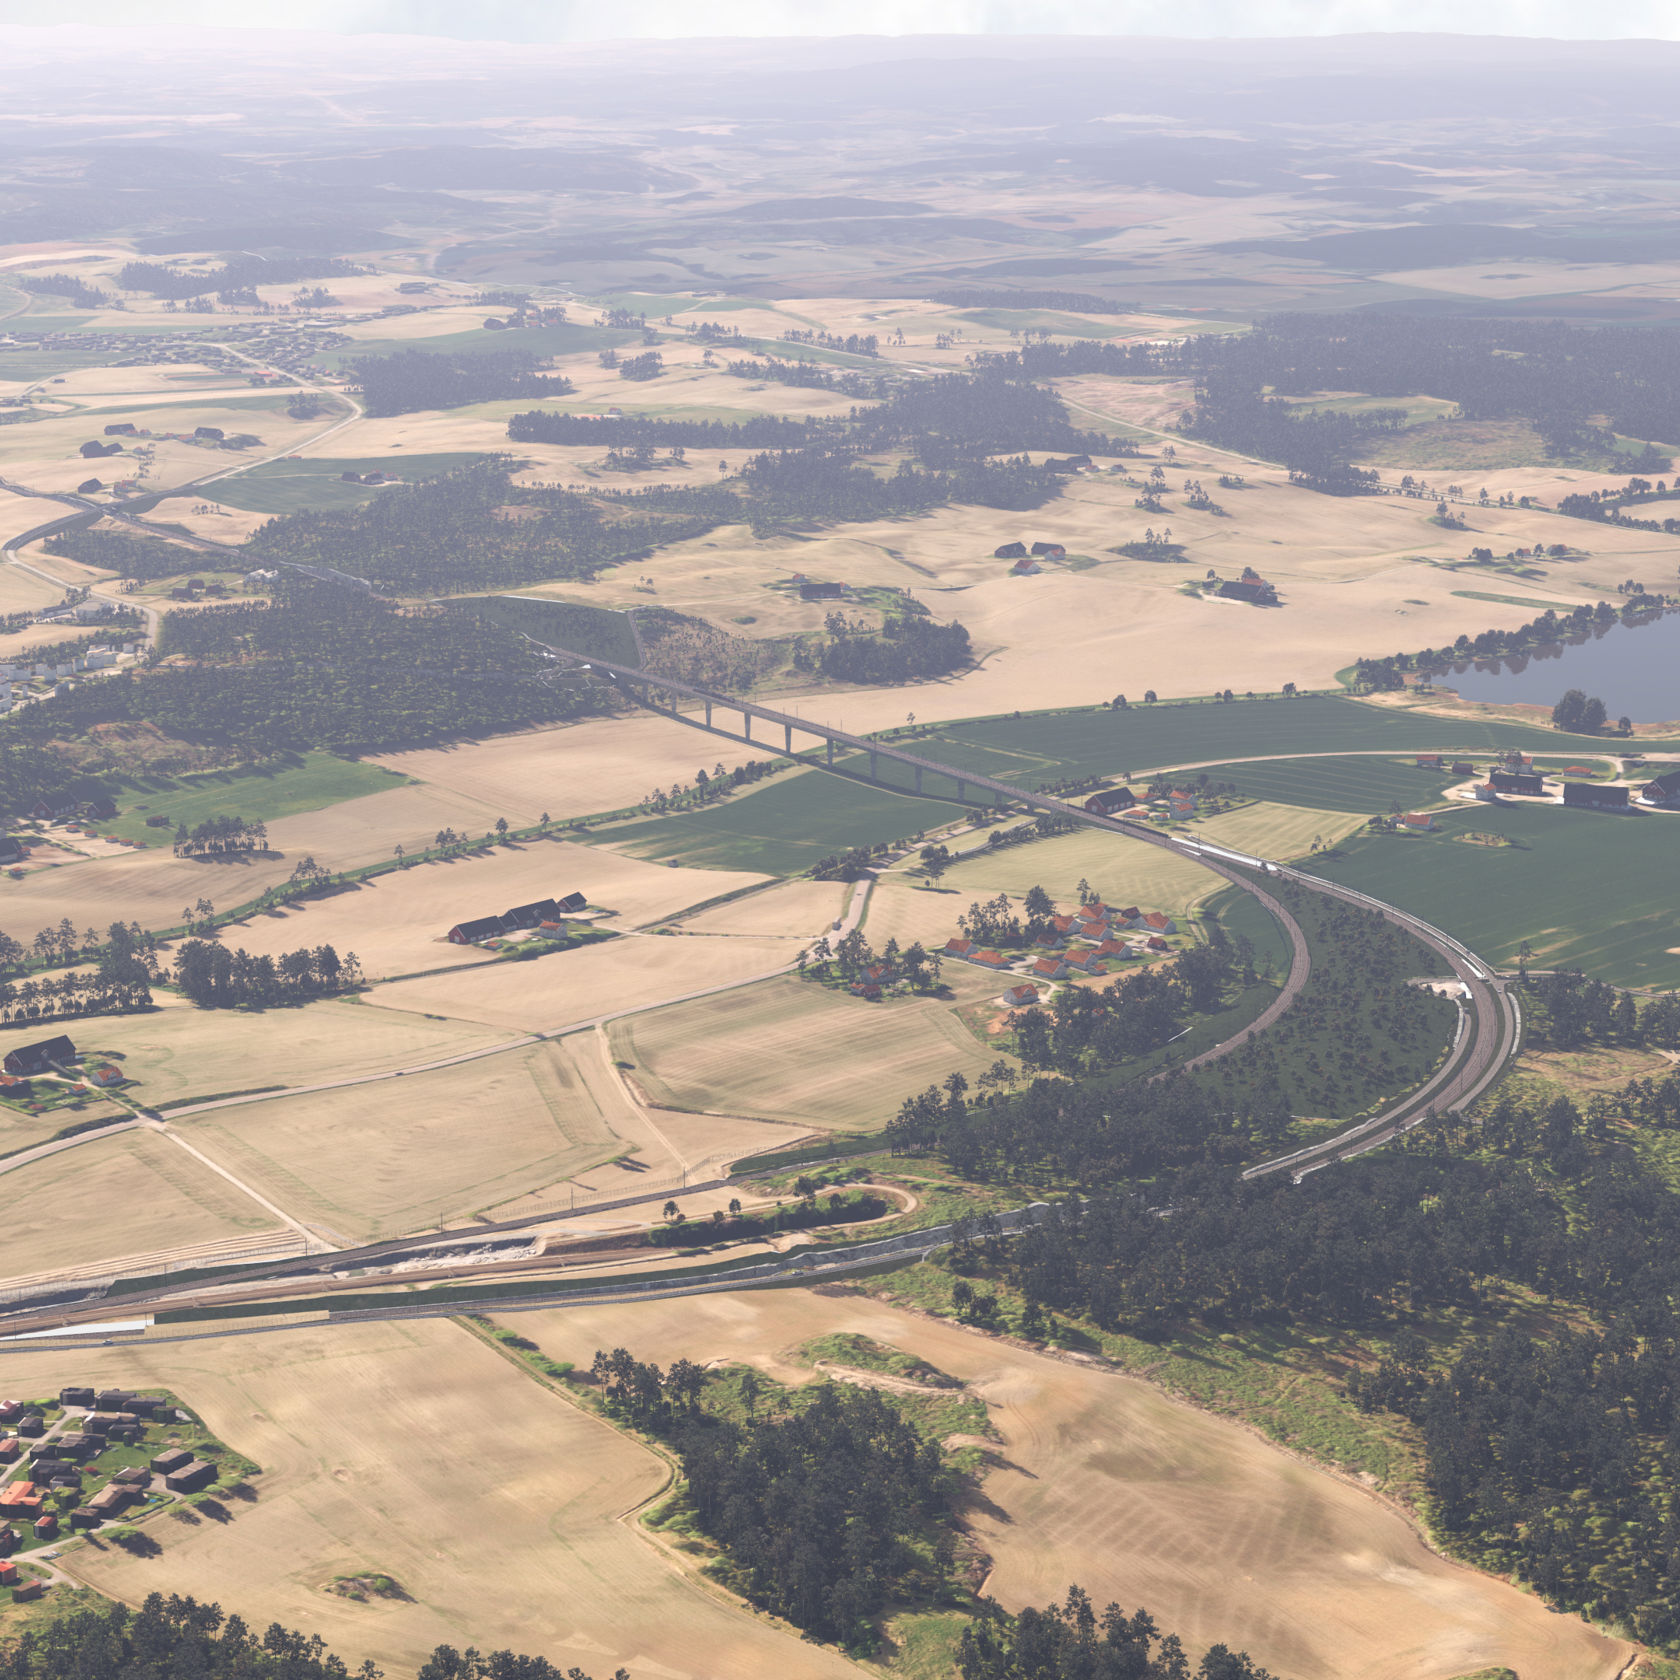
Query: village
[71, 1465]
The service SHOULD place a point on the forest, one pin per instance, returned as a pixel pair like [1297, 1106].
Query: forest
[130, 554]
[178, 1638]
[474, 530]
[763, 431]
[410, 380]
[825, 1506]
[73, 288]
[1577, 386]
[908, 647]
[323, 666]
[236, 272]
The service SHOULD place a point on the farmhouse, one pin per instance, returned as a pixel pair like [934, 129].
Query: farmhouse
[1050, 968]
[190, 1477]
[1010, 551]
[1086, 962]
[1420, 822]
[40, 1057]
[167, 1463]
[1591, 796]
[1156, 943]
[1158, 922]
[990, 959]
[810, 591]
[521, 917]
[1429, 761]
[1527, 782]
[1110, 800]
[1048, 551]
[1021, 997]
[1665, 790]
[1025, 568]
[1463, 767]
[56, 809]
[1486, 792]
[958, 947]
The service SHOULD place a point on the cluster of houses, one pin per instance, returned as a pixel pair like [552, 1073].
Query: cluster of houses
[48, 1056]
[44, 1465]
[1027, 560]
[1513, 775]
[1176, 805]
[57, 671]
[545, 916]
[1082, 944]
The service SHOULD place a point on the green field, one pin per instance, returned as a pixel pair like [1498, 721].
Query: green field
[1586, 889]
[541, 341]
[1050, 320]
[262, 793]
[793, 823]
[1044, 747]
[1365, 785]
[286, 486]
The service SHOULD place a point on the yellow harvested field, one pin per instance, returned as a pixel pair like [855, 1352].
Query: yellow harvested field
[1122, 870]
[405, 1155]
[603, 765]
[185, 1052]
[574, 987]
[397, 923]
[417, 1451]
[790, 1049]
[369, 828]
[1277, 831]
[664, 1150]
[150, 887]
[1103, 1480]
[800, 908]
[136, 1193]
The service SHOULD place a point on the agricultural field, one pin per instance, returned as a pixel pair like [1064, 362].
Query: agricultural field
[397, 922]
[151, 1195]
[786, 826]
[570, 988]
[748, 1051]
[420, 1452]
[297, 482]
[369, 1162]
[1120, 869]
[605, 764]
[1275, 831]
[1582, 887]
[1368, 786]
[1102, 1479]
[284, 787]
[184, 1055]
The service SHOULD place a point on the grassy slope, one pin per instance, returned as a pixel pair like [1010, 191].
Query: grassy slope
[288, 486]
[1585, 888]
[1365, 785]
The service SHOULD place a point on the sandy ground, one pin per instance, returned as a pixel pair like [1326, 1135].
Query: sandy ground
[570, 771]
[1105, 1481]
[416, 1451]
[554, 991]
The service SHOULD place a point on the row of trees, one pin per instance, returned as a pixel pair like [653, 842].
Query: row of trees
[216, 978]
[178, 1638]
[59, 997]
[238, 270]
[219, 835]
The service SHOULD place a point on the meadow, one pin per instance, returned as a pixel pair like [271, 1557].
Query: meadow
[1585, 889]
[750, 1052]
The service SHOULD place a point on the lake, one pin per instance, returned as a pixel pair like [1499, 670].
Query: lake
[1633, 668]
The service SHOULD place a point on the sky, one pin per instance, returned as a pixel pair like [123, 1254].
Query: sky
[563, 20]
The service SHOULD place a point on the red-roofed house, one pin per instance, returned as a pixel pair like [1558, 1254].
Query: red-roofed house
[990, 959]
[1063, 925]
[1158, 921]
[1021, 997]
[1486, 792]
[1113, 948]
[959, 947]
[1087, 962]
[1050, 968]
[1421, 821]
[1156, 943]
[1127, 917]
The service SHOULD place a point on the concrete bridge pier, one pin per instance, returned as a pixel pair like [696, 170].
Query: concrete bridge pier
[918, 778]
[787, 739]
[830, 744]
